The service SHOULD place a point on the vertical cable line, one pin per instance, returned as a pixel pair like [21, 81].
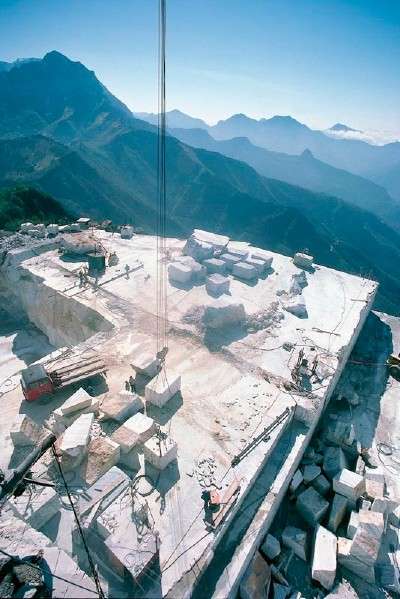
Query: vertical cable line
[161, 286]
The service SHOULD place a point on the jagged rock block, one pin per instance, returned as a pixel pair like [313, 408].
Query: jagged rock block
[295, 539]
[296, 306]
[338, 512]
[160, 452]
[162, 388]
[25, 432]
[324, 557]
[198, 249]
[271, 547]
[126, 232]
[349, 484]
[312, 506]
[334, 461]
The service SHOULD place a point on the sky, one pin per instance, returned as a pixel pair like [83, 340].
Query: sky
[320, 61]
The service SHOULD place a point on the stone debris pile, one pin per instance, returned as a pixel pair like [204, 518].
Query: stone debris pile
[343, 518]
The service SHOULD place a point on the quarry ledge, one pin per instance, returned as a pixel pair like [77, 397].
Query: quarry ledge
[233, 382]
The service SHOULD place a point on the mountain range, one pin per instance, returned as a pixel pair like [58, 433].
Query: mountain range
[284, 134]
[64, 133]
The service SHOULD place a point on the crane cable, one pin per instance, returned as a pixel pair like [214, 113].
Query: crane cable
[161, 290]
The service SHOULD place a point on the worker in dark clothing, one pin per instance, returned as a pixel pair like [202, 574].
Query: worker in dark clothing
[132, 384]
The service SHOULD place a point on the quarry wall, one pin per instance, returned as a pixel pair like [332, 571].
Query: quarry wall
[65, 320]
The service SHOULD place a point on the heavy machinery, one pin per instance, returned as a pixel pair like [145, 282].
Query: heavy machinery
[40, 380]
[393, 363]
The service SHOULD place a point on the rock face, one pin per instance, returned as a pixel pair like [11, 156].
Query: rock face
[295, 539]
[312, 506]
[324, 557]
[224, 312]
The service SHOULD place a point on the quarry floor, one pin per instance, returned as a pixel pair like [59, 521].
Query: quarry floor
[232, 382]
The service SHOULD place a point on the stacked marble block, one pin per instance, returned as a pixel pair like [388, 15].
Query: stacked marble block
[186, 270]
[130, 436]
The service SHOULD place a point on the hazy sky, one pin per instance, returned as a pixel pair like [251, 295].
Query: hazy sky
[321, 61]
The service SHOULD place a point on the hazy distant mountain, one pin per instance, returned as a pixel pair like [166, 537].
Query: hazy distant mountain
[64, 133]
[304, 170]
[175, 119]
[7, 66]
[390, 178]
[344, 128]
[285, 134]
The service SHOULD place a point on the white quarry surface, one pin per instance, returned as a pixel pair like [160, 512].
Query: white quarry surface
[247, 369]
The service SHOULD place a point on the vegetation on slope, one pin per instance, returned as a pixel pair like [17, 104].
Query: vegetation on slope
[26, 204]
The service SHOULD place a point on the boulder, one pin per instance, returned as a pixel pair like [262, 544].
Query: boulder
[338, 512]
[352, 525]
[322, 485]
[310, 473]
[367, 540]
[271, 547]
[349, 484]
[334, 461]
[256, 580]
[324, 558]
[296, 481]
[345, 559]
[295, 539]
[312, 506]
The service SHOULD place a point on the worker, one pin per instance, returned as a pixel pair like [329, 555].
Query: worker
[127, 386]
[127, 270]
[132, 384]
[81, 279]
